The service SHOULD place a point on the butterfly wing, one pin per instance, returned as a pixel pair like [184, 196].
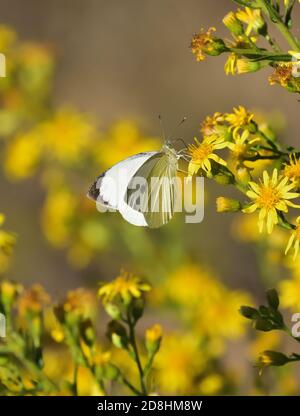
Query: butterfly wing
[109, 189]
[157, 204]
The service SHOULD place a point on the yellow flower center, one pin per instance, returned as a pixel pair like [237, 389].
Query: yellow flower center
[268, 198]
[200, 153]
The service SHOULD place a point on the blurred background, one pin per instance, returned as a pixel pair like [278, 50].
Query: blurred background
[101, 72]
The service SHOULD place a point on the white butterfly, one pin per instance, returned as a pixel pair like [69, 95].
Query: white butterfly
[153, 207]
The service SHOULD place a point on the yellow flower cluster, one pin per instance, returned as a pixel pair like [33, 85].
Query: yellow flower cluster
[247, 50]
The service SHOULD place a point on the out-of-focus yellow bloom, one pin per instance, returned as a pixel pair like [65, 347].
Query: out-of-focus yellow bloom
[9, 291]
[125, 287]
[57, 215]
[289, 292]
[211, 384]
[264, 341]
[178, 363]
[292, 169]
[201, 153]
[52, 326]
[68, 136]
[23, 155]
[7, 38]
[239, 118]
[205, 300]
[122, 141]
[294, 239]
[80, 303]
[189, 282]
[252, 18]
[270, 196]
[33, 300]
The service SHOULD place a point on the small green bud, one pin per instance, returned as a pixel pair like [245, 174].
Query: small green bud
[137, 308]
[87, 332]
[249, 312]
[268, 358]
[262, 324]
[246, 65]
[227, 204]
[116, 332]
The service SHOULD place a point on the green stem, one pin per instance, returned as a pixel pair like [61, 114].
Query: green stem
[269, 10]
[254, 53]
[75, 377]
[136, 353]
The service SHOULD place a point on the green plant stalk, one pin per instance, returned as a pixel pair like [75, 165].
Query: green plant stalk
[269, 10]
[136, 356]
[259, 53]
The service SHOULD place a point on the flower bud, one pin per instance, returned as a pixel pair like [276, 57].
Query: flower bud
[117, 334]
[268, 358]
[246, 65]
[249, 312]
[113, 311]
[227, 204]
[87, 332]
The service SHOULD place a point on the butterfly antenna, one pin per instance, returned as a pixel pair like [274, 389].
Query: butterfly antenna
[176, 127]
[162, 127]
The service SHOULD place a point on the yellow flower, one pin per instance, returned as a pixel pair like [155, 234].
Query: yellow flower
[292, 170]
[67, 136]
[178, 363]
[230, 66]
[211, 384]
[23, 155]
[201, 153]
[57, 216]
[211, 123]
[240, 147]
[270, 196]
[252, 18]
[125, 287]
[239, 118]
[294, 239]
